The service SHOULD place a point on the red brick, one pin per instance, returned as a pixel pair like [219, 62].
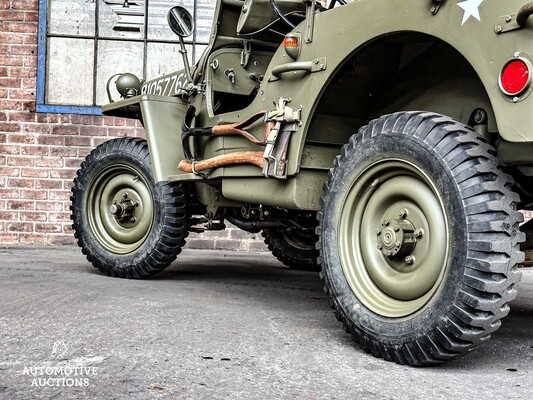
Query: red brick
[93, 130]
[9, 194]
[24, 5]
[48, 162]
[48, 184]
[20, 27]
[55, 228]
[63, 152]
[20, 139]
[120, 132]
[33, 194]
[8, 237]
[29, 38]
[49, 206]
[8, 215]
[73, 162]
[28, 105]
[9, 127]
[21, 183]
[30, 62]
[9, 172]
[65, 130]
[36, 128]
[64, 173]
[32, 238]
[24, 72]
[63, 195]
[20, 227]
[20, 205]
[17, 161]
[59, 217]
[13, 38]
[6, 149]
[3, 116]
[30, 16]
[20, 94]
[11, 61]
[32, 216]
[23, 50]
[21, 116]
[34, 172]
[9, 83]
[51, 140]
[77, 141]
[29, 83]
[10, 104]
[11, 15]
[34, 150]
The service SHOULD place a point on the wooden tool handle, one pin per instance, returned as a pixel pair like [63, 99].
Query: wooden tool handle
[242, 157]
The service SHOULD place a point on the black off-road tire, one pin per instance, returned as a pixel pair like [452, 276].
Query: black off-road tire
[169, 207]
[481, 274]
[300, 255]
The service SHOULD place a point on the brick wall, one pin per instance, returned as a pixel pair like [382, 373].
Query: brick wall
[40, 153]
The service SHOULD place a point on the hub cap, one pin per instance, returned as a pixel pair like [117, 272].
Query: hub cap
[393, 238]
[120, 209]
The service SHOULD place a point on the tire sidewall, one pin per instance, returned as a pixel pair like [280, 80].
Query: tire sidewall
[363, 151]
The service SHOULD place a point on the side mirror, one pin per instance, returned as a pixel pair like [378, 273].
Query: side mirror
[180, 21]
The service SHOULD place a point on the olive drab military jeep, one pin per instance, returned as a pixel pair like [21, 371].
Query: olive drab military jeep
[386, 144]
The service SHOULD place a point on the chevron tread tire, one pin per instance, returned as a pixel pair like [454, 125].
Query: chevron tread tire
[481, 274]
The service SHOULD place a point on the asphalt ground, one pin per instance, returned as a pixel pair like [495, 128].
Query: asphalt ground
[217, 325]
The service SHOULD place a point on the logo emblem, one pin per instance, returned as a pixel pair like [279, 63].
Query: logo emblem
[471, 8]
[60, 350]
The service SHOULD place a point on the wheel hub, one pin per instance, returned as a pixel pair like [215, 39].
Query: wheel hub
[124, 210]
[397, 238]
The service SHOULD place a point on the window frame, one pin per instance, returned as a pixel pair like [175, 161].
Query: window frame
[42, 49]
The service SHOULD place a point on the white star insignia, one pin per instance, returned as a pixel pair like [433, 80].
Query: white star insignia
[471, 8]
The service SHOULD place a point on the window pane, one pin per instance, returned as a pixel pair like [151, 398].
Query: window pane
[199, 50]
[115, 20]
[70, 71]
[164, 58]
[204, 19]
[116, 57]
[157, 18]
[72, 17]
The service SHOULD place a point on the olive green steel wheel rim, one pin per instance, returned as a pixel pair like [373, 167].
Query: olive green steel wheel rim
[120, 209]
[393, 236]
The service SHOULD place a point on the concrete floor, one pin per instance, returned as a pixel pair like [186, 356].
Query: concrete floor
[217, 325]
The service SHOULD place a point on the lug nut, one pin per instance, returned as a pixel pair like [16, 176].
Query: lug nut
[410, 259]
[125, 195]
[380, 247]
[418, 233]
[398, 244]
[378, 231]
[387, 222]
[402, 213]
[133, 219]
[396, 229]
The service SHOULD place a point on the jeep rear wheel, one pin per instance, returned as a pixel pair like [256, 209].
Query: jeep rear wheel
[127, 225]
[293, 247]
[419, 239]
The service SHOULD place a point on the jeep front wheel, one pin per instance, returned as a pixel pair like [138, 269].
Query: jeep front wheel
[127, 225]
[419, 238]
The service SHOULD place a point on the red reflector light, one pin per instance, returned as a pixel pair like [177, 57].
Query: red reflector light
[515, 77]
[290, 41]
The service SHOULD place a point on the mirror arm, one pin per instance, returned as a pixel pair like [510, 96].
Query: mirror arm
[186, 63]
